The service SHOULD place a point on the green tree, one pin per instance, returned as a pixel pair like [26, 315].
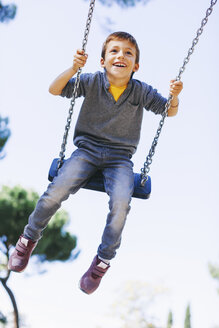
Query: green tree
[214, 271]
[4, 134]
[7, 12]
[187, 322]
[170, 320]
[15, 206]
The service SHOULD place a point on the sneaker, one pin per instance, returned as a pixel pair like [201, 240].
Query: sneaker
[20, 256]
[91, 279]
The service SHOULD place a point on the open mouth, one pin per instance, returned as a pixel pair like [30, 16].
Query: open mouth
[119, 65]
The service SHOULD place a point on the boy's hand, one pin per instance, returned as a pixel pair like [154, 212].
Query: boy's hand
[80, 59]
[175, 87]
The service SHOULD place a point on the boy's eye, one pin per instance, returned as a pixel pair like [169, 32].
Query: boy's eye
[129, 53]
[113, 50]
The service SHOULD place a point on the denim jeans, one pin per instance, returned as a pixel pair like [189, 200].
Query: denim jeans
[118, 175]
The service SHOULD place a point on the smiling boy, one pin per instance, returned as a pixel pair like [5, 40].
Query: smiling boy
[120, 62]
[107, 133]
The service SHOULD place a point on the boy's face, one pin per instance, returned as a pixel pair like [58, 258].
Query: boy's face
[119, 61]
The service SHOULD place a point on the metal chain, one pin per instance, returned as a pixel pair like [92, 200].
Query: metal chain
[145, 170]
[76, 86]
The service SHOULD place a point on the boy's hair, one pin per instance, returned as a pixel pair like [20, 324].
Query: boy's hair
[121, 36]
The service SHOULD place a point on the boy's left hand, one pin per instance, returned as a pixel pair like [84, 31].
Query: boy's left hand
[175, 87]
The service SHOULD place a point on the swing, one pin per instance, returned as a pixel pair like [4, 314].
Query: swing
[142, 181]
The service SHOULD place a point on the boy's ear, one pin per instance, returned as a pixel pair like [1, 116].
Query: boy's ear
[136, 67]
[102, 62]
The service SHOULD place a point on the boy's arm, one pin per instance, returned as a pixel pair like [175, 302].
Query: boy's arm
[175, 89]
[60, 82]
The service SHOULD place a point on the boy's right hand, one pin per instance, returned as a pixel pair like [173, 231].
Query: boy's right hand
[60, 82]
[80, 59]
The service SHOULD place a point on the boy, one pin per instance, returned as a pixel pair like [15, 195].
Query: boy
[107, 134]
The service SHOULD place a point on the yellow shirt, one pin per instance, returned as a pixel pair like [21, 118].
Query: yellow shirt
[117, 91]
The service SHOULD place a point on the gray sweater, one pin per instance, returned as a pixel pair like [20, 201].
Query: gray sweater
[104, 121]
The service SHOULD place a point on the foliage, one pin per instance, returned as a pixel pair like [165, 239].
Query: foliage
[7, 12]
[123, 3]
[16, 204]
[4, 134]
[214, 271]
[187, 322]
[3, 319]
[133, 305]
[56, 244]
[170, 320]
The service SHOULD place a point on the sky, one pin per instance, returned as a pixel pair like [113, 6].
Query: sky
[168, 240]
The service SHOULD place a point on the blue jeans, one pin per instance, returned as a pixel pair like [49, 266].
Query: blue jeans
[118, 175]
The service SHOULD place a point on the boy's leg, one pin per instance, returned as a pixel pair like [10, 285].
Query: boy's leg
[119, 184]
[72, 175]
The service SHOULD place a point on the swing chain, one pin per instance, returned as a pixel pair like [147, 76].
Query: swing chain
[196, 39]
[146, 169]
[76, 87]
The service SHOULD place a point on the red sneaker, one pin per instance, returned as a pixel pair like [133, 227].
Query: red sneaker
[20, 256]
[91, 279]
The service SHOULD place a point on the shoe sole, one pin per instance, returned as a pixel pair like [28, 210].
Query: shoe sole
[16, 270]
[20, 271]
[79, 285]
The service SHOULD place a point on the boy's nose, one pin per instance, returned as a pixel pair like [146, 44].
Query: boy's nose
[121, 54]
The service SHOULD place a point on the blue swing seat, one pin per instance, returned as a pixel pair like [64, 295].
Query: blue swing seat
[96, 182]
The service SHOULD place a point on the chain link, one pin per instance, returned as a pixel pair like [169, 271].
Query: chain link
[76, 86]
[145, 170]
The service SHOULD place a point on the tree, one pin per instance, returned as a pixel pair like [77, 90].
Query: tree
[3, 318]
[15, 206]
[7, 12]
[187, 322]
[133, 306]
[214, 271]
[170, 320]
[4, 134]
[123, 3]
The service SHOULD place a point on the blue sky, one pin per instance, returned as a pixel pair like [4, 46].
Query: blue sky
[168, 240]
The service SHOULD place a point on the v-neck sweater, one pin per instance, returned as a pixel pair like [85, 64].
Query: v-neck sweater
[106, 122]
